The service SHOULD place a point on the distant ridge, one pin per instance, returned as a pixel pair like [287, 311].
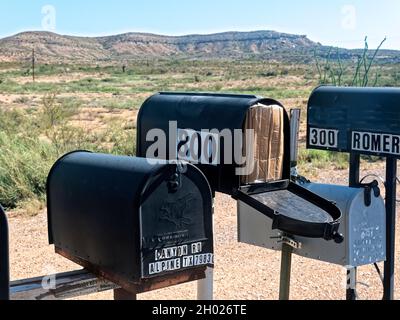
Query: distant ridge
[55, 48]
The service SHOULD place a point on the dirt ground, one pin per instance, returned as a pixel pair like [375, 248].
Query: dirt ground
[241, 272]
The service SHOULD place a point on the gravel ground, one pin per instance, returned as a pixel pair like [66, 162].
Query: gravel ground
[242, 271]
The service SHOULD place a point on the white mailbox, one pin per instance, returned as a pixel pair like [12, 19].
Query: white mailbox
[362, 225]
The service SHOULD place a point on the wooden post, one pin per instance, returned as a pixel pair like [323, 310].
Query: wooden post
[33, 65]
[123, 295]
[286, 269]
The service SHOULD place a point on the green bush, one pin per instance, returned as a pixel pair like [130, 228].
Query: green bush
[31, 141]
[323, 159]
[24, 165]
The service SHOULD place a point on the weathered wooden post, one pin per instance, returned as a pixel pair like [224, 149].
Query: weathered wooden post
[33, 64]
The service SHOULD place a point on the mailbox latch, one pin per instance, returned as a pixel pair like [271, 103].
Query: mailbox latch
[370, 188]
[176, 179]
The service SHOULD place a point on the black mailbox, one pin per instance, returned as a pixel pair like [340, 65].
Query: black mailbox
[209, 130]
[129, 219]
[357, 120]
[4, 257]
[225, 114]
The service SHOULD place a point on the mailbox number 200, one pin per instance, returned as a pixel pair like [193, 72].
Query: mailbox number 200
[324, 138]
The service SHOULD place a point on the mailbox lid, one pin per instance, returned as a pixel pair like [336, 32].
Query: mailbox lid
[360, 120]
[204, 111]
[293, 209]
[196, 111]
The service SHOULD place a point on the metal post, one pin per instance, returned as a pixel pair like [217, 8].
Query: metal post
[351, 293]
[391, 188]
[295, 115]
[287, 250]
[354, 180]
[205, 287]
[286, 269]
[4, 258]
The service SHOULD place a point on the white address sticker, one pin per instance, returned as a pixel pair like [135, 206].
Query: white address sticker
[325, 138]
[379, 143]
[179, 257]
[169, 253]
[198, 260]
[198, 147]
[164, 266]
[177, 264]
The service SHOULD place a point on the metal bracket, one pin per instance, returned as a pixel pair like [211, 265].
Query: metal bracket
[288, 241]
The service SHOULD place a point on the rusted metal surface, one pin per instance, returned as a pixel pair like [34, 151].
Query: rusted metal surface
[144, 285]
[60, 286]
[123, 295]
[156, 208]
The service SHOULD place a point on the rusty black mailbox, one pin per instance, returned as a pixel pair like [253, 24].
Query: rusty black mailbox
[210, 130]
[185, 119]
[130, 219]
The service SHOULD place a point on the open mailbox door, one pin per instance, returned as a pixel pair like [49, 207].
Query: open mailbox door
[264, 142]
[293, 209]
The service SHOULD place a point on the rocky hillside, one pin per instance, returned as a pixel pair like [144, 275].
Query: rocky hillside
[52, 48]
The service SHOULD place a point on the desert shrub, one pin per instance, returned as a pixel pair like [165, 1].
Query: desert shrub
[32, 140]
[22, 100]
[13, 121]
[114, 103]
[323, 159]
[333, 72]
[268, 74]
[119, 140]
[27, 153]
[24, 165]
[284, 72]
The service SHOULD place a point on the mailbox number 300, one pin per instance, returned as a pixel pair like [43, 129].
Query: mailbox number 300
[324, 138]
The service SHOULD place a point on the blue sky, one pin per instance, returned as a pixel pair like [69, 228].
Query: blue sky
[342, 23]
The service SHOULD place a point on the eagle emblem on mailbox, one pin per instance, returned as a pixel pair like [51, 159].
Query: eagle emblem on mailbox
[177, 212]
